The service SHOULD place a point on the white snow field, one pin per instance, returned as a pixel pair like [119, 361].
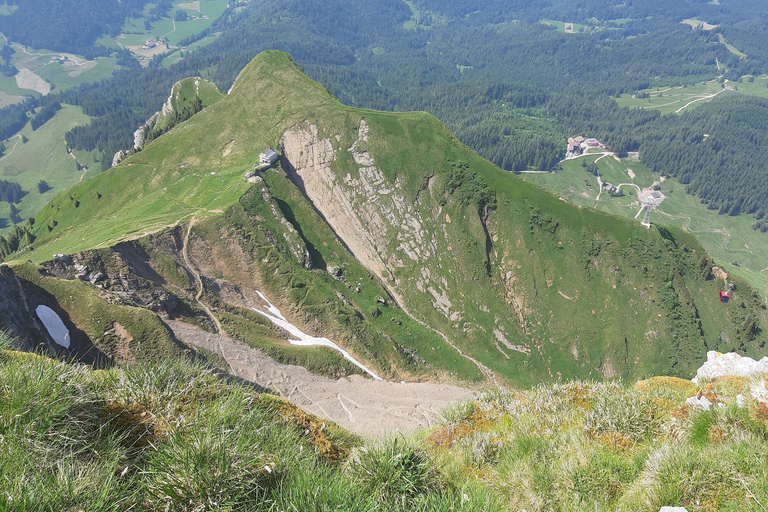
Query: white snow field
[53, 325]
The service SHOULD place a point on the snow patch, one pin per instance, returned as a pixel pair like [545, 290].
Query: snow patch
[53, 325]
[305, 340]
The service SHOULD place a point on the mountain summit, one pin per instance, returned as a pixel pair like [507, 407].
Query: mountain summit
[381, 232]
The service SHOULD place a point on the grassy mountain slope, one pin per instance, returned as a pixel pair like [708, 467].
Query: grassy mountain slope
[43, 157]
[577, 446]
[530, 286]
[188, 96]
[730, 240]
[174, 436]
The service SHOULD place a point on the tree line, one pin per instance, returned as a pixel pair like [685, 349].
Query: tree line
[44, 115]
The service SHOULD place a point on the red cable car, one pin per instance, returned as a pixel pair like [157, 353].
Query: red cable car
[725, 296]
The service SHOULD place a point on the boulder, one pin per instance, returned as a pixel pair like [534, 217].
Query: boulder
[698, 403]
[718, 365]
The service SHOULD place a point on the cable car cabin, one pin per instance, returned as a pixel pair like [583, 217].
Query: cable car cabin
[724, 296]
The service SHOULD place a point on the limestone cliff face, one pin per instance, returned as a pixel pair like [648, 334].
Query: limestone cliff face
[368, 212]
[184, 101]
[310, 158]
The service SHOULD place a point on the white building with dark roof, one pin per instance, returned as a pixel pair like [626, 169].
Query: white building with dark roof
[268, 157]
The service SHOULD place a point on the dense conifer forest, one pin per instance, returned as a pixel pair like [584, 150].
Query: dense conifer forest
[508, 85]
[67, 25]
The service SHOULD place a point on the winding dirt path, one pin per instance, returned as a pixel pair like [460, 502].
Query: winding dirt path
[13, 149]
[706, 97]
[199, 283]
[78, 164]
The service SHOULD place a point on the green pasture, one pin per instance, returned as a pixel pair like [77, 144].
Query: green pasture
[176, 55]
[732, 48]
[673, 99]
[685, 97]
[757, 87]
[185, 195]
[75, 70]
[11, 93]
[731, 241]
[421, 19]
[9, 99]
[414, 21]
[42, 157]
[67, 75]
[135, 34]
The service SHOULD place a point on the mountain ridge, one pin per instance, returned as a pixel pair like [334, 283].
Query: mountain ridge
[527, 285]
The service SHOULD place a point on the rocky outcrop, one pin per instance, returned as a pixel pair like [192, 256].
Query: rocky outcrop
[368, 212]
[295, 242]
[310, 159]
[108, 271]
[16, 315]
[175, 110]
[719, 365]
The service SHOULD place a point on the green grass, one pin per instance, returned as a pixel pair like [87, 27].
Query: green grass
[43, 157]
[134, 33]
[414, 21]
[586, 446]
[318, 293]
[673, 99]
[171, 436]
[65, 76]
[88, 316]
[176, 55]
[422, 19]
[8, 86]
[9, 99]
[732, 48]
[683, 98]
[726, 239]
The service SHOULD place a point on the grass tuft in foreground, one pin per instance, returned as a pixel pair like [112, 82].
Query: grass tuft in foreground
[608, 446]
[172, 436]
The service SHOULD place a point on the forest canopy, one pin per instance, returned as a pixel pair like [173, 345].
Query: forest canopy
[508, 85]
[67, 25]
